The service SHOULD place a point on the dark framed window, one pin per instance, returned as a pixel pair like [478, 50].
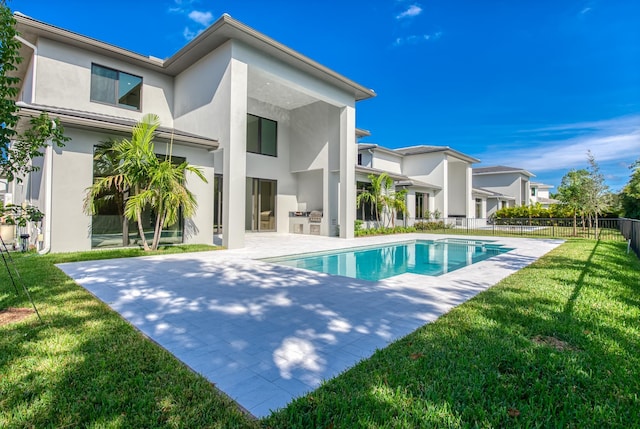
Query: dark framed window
[422, 205]
[359, 159]
[114, 87]
[262, 136]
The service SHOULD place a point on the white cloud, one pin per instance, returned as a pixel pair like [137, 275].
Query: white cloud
[203, 18]
[190, 34]
[416, 38]
[565, 146]
[585, 10]
[413, 10]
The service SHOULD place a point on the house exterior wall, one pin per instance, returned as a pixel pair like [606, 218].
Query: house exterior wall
[459, 194]
[64, 80]
[515, 185]
[73, 174]
[366, 158]
[431, 168]
[27, 88]
[386, 162]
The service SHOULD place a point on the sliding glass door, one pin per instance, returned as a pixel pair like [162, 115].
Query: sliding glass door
[260, 205]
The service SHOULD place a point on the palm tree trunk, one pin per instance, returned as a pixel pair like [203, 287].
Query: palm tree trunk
[125, 221]
[158, 228]
[145, 245]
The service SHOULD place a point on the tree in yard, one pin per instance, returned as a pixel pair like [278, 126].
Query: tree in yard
[17, 149]
[376, 194]
[146, 181]
[630, 194]
[397, 203]
[596, 191]
[571, 193]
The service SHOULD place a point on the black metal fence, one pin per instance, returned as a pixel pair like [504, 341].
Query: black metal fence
[604, 229]
[630, 229]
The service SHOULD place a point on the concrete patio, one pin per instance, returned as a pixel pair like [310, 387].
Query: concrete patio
[265, 333]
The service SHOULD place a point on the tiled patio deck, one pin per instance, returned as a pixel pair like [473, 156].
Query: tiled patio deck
[264, 333]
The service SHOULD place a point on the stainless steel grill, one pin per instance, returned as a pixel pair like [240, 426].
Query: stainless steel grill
[315, 216]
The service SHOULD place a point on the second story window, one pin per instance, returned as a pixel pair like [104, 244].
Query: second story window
[262, 136]
[115, 87]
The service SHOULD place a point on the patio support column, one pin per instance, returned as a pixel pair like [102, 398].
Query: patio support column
[471, 201]
[445, 187]
[235, 156]
[348, 158]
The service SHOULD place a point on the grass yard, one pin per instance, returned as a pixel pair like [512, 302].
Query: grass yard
[554, 345]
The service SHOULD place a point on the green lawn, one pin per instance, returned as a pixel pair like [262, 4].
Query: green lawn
[554, 345]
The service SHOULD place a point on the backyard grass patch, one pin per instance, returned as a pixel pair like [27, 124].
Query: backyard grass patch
[554, 345]
[87, 367]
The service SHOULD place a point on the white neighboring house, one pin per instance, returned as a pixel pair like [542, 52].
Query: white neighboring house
[272, 130]
[437, 178]
[508, 186]
[540, 194]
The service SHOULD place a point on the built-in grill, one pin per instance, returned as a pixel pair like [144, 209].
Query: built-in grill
[315, 216]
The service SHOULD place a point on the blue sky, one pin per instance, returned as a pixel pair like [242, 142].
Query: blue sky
[530, 84]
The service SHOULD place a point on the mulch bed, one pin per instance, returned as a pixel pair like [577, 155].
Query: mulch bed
[13, 315]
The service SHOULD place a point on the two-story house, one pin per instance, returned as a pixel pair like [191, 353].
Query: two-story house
[272, 130]
[505, 186]
[437, 178]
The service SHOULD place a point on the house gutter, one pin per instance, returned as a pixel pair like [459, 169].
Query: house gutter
[35, 66]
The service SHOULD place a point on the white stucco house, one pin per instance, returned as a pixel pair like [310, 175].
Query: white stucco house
[272, 130]
[506, 186]
[437, 179]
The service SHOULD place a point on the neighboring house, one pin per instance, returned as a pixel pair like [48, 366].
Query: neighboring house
[272, 130]
[508, 186]
[540, 195]
[437, 178]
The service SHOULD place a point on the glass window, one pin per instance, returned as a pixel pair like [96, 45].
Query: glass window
[420, 208]
[262, 136]
[115, 87]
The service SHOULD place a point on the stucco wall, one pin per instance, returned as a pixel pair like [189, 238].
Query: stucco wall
[428, 167]
[201, 103]
[64, 80]
[505, 183]
[73, 174]
[387, 162]
[365, 158]
[457, 189]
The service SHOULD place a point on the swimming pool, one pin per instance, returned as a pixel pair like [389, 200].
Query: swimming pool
[426, 257]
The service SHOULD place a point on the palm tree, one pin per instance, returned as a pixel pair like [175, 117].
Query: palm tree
[151, 183]
[376, 193]
[166, 193]
[397, 202]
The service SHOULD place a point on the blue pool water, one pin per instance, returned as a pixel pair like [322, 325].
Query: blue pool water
[426, 257]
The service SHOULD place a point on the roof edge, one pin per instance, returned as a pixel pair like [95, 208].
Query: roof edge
[87, 120]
